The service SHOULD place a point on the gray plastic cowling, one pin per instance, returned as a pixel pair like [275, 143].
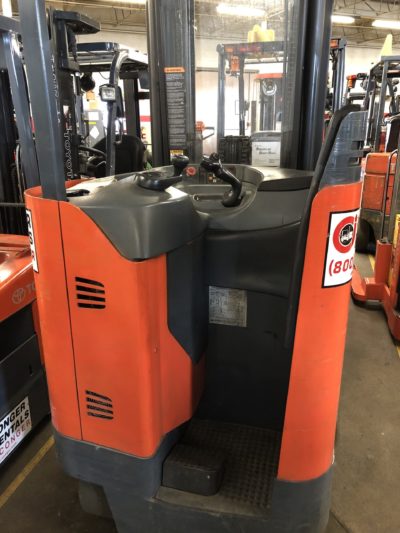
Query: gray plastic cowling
[142, 223]
[343, 165]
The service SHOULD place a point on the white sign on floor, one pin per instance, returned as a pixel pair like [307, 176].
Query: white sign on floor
[14, 427]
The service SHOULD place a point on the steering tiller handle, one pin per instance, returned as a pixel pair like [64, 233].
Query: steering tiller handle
[213, 164]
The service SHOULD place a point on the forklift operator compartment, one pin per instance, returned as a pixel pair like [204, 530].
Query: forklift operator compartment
[191, 394]
[193, 316]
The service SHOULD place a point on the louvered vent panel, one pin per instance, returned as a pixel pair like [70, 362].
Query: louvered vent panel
[99, 406]
[90, 294]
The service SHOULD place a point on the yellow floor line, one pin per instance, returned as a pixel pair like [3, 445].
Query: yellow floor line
[13, 486]
[398, 349]
[372, 261]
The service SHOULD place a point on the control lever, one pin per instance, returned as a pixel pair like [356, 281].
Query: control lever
[213, 164]
[156, 180]
[180, 162]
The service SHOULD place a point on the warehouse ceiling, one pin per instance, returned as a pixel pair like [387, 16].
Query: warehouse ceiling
[120, 16]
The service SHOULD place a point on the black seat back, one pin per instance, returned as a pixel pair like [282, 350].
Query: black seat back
[129, 155]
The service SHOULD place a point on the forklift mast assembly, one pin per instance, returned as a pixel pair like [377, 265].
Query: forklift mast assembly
[195, 333]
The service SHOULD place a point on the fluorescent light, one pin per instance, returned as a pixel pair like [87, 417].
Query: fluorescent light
[240, 10]
[128, 1]
[387, 24]
[343, 19]
[6, 8]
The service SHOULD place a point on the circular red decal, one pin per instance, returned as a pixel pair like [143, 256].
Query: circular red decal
[344, 234]
[191, 171]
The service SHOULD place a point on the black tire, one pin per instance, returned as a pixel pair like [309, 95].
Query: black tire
[93, 500]
[363, 238]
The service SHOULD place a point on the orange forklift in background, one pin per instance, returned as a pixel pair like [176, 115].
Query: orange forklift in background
[379, 218]
[23, 390]
[381, 141]
[383, 285]
[194, 321]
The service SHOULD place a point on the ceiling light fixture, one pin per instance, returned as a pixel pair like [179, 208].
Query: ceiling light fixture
[240, 10]
[6, 8]
[128, 1]
[387, 24]
[343, 19]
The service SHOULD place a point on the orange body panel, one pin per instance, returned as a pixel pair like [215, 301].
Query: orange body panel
[17, 288]
[314, 387]
[123, 350]
[54, 315]
[374, 181]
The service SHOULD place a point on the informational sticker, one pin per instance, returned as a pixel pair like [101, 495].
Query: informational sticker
[175, 81]
[266, 153]
[14, 427]
[228, 306]
[94, 132]
[31, 235]
[339, 256]
[93, 115]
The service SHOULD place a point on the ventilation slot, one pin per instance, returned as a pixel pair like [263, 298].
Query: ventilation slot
[90, 294]
[99, 406]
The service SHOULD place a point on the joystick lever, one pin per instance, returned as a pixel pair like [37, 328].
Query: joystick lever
[156, 180]
[213, 164]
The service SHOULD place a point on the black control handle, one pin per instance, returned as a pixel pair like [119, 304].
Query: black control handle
[180, 162]
[213, 164]
[157, 181]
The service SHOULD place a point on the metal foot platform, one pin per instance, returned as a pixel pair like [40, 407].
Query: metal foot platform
[251, 458]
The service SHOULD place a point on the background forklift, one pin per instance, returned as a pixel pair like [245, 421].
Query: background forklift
[23, 391]
[190, 392]
[74, 64]
[122, 151]
[381, 147]
[232, 59]
[383, 286]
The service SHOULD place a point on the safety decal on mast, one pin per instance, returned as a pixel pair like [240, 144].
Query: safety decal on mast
[31, 235]
[340, 248]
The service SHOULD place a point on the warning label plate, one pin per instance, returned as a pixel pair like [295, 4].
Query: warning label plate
[228, 306]
[339, 256]
[31, 235]
[14, 427]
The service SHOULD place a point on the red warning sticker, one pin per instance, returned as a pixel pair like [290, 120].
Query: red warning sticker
[339, 257]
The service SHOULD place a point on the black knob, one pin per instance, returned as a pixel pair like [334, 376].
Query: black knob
[180, 162]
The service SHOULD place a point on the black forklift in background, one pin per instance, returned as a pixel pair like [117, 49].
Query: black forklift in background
[64, 26]
[74, 65]
[124, 151]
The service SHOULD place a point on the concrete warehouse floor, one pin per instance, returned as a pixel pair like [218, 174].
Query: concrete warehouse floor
[35, 495]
